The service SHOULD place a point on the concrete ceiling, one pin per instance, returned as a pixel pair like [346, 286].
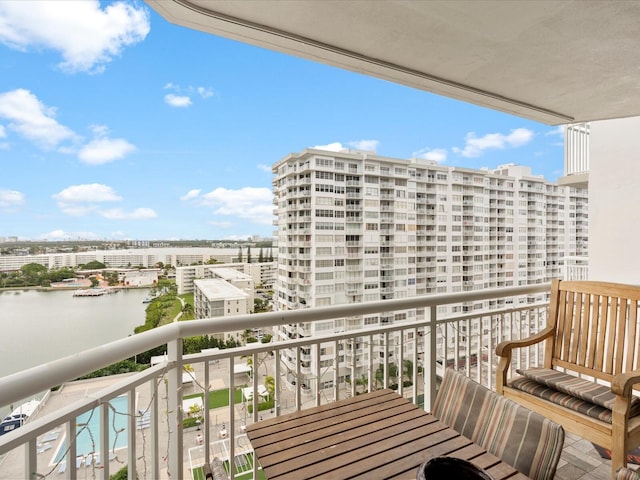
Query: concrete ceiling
[552, 61]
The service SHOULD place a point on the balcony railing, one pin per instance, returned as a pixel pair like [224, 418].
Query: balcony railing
[139, 418]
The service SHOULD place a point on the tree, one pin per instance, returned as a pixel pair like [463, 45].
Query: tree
[260, 256]
[270, 385]
[407, 370]
[249, 254]
[33, 270]
[240, 254]
[271, 255]
[94, 265]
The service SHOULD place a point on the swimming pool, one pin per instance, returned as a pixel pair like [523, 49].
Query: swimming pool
[88, 439]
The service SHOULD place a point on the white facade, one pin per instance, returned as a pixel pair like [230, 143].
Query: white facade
[145, 257]
[614, 198]
[141, 278]
[260, 273]
[218, 298]
[356, 227]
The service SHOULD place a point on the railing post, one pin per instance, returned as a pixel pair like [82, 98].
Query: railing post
[72, 432]
[104, 439]
[131, 426]
[206, 414]
[430, 373]
[31, 460]
[174, 409]
[155, 422]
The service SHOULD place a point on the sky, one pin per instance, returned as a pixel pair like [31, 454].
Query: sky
[115, 125]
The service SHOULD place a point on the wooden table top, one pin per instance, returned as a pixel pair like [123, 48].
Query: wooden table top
[378, 435]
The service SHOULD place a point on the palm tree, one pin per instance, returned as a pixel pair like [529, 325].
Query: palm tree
[270, 385]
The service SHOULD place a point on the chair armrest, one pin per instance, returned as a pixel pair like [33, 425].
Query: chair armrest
[504, 348]
[623, 383]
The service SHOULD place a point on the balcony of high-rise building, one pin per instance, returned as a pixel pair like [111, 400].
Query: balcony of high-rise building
[561, 63]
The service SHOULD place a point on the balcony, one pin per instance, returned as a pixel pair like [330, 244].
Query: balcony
[150, 401]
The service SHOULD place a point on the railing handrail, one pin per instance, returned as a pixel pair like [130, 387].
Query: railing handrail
[29, 382]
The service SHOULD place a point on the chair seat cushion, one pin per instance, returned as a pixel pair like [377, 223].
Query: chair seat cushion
[559, 398]
[581, 388]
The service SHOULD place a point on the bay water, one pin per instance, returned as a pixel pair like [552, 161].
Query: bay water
[39, 326]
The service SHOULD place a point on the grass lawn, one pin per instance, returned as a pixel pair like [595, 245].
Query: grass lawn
[220, 398]
[187, 297]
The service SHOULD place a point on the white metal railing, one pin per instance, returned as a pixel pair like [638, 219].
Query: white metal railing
[576, 155]
[150, 438]
[575, 268]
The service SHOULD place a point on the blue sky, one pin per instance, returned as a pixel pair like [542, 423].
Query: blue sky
[115, 124]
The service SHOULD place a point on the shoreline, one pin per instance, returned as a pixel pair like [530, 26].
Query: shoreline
[74, 287]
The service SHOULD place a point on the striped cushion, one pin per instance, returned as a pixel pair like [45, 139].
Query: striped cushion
[624, 473]
[524, 439]
[559, 398]
[578, 387]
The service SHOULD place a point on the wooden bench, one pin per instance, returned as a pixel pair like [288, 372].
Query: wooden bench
[591, 365]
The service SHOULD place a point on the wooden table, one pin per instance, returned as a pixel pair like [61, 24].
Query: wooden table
[379, 435]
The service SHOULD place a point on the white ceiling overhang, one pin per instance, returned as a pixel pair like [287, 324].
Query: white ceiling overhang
[551, 61]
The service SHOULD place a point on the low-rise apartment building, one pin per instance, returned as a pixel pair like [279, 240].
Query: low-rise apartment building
[215, 297]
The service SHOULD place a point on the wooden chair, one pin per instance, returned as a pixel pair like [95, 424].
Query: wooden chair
[591, 365]
[524, 439]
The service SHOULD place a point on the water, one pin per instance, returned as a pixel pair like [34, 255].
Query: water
[39, 326]
[88, 428]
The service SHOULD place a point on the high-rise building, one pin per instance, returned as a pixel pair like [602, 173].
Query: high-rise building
[354, 227]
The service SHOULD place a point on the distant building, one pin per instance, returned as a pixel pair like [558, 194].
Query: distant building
[141, 278]
[216, 297]
[261, 273]
[143, 257]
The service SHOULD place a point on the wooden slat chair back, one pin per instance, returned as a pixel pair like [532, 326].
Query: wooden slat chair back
[596, 328]
[592, 333]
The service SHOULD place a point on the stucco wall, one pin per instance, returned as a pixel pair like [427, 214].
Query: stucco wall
[614, 201]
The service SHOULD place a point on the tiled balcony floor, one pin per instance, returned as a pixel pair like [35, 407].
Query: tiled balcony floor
[580, 460]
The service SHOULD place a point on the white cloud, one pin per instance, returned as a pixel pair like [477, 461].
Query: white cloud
[436, 154]
[204, 92]
[81, 200]
[177, 100]
[3, 133]
[105, 150]
[181, 97]
[190, 195]
[475, 146]
[558, 131]
[137, 214]
[86, 36]
[370, 145]
[94, 192]
[250, 203]
[332, 147]
[30, 118]
[264, 168]
[10, 200]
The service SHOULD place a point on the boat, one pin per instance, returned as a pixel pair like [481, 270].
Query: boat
[90, 292]
[149, 298]
[18, 416]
